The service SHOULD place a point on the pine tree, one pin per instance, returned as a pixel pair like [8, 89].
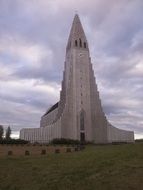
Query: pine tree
[1, 132]
[8, 133]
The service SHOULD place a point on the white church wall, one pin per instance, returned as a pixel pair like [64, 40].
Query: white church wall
[43, 134]
[49, 118]
[118, 135]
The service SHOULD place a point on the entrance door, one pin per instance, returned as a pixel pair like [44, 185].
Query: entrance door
[82, 137]
[82, 120]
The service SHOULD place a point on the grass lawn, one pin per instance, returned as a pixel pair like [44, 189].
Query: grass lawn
[108, 167]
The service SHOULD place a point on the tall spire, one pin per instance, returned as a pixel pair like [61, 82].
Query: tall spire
[77, 36]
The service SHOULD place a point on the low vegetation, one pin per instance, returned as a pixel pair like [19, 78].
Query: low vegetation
[64, 141]
[139, 140]
[13, 141]
[106, 167]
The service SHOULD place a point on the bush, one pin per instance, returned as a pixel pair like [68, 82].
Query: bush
[13, 141]
[139, 140]
[63, 141]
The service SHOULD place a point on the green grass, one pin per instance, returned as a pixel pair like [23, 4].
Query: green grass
[109, 167]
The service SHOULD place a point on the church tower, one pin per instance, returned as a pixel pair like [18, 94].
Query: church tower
[83, 116]
[78, 115]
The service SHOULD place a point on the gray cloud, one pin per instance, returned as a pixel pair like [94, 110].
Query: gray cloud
[33, 36]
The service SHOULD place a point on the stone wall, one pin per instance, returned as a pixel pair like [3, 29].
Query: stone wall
[27, 150]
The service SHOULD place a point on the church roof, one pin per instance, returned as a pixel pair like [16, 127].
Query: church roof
[52, 108]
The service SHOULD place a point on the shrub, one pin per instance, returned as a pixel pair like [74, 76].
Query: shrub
[13, 141]
[139, 140]
[63, 141]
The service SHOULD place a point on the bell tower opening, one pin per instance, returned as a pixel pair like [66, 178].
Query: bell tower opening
[80, 42]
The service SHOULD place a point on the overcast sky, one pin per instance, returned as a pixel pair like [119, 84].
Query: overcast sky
[33, 37]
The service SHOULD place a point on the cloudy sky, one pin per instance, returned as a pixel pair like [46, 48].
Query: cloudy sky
[33, 37]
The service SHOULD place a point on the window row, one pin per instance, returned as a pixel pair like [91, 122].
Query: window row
[78, 43]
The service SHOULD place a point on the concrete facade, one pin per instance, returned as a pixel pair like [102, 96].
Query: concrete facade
[78, 114]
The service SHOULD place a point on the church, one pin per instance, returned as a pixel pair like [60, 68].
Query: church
[78, 115]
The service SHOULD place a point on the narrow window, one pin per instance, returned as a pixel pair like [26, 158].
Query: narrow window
[84, 44]
[76, 43]
[80, 42]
